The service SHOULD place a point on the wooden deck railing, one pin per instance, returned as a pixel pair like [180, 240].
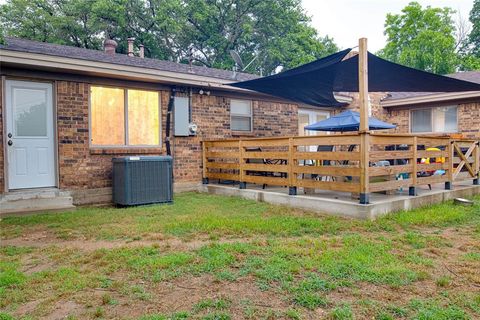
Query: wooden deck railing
[356, 163]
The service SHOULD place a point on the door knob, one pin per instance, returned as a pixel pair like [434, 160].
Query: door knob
[9, 135]
[10, 142]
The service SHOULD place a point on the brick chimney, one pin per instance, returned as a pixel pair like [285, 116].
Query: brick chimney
[109, 46]
[142, 51]
[130, 46]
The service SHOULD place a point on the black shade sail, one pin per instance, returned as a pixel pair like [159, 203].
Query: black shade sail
[315, 83]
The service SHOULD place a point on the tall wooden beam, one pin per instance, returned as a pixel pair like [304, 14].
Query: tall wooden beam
[363, 83]
[363, 128]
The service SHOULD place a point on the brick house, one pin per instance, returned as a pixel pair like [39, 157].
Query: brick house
[423, 112]
[66, 112]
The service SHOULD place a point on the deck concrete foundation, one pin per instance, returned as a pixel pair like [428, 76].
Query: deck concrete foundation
[342, 204]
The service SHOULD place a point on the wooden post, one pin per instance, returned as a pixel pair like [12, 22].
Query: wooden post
[451, 153]
[476, 163]
[292, 187]
[243, 184]
[363, 128]
[364, 167]
[412, 189]
[204, 169]
[363, 83]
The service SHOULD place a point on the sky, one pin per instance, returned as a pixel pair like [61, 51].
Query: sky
[348, 20]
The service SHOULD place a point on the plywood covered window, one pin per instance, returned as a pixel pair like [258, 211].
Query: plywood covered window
[124, 117]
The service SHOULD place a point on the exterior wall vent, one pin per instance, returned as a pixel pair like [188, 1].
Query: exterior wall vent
[142, 180]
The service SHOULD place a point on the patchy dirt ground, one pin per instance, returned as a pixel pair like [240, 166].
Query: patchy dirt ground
[352, 270]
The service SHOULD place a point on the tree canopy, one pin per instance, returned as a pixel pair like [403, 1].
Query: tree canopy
[429, 39]
[470, 50]
[474, 36]
[276, 32]
[422, 38]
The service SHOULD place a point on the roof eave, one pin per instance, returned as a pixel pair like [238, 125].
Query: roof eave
[62, 64]
[438, 97]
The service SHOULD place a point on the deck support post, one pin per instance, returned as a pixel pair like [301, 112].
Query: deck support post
[205, 181]
[476, 164]
[412, 191]
[364, 126]
[292, 191]
[241, 162]
[451, 168]
[364, 198]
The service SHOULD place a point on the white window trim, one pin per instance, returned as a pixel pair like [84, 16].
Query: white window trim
[126, 145]
[241, 115]
[312, 116]
[431, 115]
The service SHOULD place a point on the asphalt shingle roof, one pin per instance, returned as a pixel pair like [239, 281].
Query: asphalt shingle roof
[30, 46]
[472, 76]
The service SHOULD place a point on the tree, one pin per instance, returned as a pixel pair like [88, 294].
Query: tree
[274, 32]
[422, 38]
[474, 36]
[470, 50]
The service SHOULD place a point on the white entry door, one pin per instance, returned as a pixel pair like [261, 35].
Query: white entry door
[30, 135]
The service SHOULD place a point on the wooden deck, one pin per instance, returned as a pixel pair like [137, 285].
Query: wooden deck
[357, 163]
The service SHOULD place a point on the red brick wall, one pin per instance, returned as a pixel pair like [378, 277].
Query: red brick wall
[212, 115]
[468, 115]
[84, 168]
[399, 117]
[469, 119]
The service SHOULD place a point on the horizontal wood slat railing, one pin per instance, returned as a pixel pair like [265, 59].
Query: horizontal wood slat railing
[334, 162]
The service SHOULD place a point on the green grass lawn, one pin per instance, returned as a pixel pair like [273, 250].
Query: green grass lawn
[213, 257]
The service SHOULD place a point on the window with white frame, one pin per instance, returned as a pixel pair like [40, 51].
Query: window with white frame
[124, 117]
[241, 115]
[307, 117]
[438, 119]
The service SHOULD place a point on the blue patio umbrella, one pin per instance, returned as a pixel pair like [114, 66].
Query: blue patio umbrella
[348, 121]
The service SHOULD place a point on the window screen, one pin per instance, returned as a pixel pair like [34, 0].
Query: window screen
[439, 119]
[240, 115]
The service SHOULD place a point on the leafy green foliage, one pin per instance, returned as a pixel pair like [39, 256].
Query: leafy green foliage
[276, 32]
[422, 38]
[474, 36]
